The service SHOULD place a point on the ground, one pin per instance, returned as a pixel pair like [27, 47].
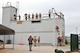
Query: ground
[37, 49]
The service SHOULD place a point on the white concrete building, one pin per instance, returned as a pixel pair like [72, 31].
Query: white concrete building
[44, 27]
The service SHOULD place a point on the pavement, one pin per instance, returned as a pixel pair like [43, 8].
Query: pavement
[37, 49]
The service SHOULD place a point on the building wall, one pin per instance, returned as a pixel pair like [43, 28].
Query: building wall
[45, 29]
[23, 37]
[46, 25]
[8, 14]
[4, 36]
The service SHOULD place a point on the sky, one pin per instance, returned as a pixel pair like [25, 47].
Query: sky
[70, 9]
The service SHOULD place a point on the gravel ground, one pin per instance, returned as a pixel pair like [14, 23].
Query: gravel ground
[37, 49]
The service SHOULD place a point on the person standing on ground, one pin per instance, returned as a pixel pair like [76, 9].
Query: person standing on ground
[35, 40]
[30, 39]
[59, 41]
[39, 41]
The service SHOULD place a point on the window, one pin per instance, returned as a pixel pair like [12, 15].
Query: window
[36, 21]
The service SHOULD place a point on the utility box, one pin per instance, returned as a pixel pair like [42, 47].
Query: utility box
[8, 41]
[74, 42]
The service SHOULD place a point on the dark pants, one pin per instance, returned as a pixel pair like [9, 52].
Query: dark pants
[49, 15]
[30, 46]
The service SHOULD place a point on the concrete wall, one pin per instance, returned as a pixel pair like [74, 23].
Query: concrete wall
[8, 15]
[45, 29]
[4, 38]
[45, 25]
[23, 37]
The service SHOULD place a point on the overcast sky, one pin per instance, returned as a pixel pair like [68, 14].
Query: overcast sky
[70, 9]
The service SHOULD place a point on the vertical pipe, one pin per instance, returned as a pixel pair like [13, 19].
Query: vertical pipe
[4, 40]
[13, 41]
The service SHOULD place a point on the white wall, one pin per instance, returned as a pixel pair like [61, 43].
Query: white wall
[4, 38]
[27, 26]
[23, 37]
[45, 29]
[8, 15]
